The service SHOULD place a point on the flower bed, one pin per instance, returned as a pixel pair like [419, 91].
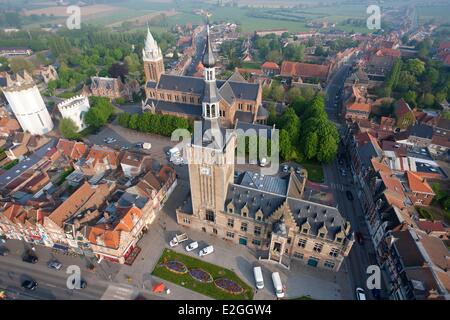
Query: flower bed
[176, 267]
[201, 275]
[228, 286]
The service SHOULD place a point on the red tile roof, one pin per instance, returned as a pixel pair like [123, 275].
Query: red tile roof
[430, 226]
[270, 65]
[298, 69]
[72, 149]
[418, 184]
[389, 52]
[364, 107]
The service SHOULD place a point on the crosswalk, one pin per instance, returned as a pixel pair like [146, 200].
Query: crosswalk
[337, 186]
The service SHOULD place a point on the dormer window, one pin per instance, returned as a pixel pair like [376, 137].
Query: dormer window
[305, 230]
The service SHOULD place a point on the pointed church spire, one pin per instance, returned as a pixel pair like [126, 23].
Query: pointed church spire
[208, 57]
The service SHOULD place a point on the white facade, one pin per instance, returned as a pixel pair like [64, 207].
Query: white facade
[27, 105]
[151, 51]
[75, 108]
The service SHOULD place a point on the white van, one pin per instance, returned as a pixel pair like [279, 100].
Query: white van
[174, 152]
[278, 285]
[258, 277]
[206, 251]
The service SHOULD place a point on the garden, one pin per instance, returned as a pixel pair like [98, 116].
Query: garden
[202, 277]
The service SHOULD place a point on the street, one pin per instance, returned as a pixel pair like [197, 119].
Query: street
[361, 256]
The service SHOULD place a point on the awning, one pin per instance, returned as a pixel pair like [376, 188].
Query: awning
[158, 288]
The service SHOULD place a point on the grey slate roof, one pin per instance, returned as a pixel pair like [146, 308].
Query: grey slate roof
[194, 85]
[421, 131]
[241, 194]
[169, 106]
[151, 84]
[259, 128]
[244, 116]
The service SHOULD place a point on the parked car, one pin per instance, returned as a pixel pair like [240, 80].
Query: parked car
[257, 272]
[179, 238]
[298, 170]
[285, 168]
[54, 264]
[206, 251]
[30, 258]
[83, 284]
[349, 195]
[263, 162]
[192, 246]
[29, 284]
[253, 161]
[147, 146]
[278, 285]
[359, 238]
[4, 251]
[360, 294]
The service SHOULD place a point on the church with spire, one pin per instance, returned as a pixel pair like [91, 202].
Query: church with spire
[231, 101]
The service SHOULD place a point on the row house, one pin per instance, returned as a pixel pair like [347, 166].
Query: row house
[98, 160]
[414, 265]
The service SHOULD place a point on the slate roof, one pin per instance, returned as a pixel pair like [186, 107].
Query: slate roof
[421, 131]
[271, 194]
[194, 85]
[176, 107]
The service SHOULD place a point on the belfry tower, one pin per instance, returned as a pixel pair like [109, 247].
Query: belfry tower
[153, 59]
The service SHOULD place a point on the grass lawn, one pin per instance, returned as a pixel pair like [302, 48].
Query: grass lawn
[208, 289]
[315, 171]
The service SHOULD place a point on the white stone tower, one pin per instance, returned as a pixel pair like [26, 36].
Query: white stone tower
[27, 105]
[75, 108]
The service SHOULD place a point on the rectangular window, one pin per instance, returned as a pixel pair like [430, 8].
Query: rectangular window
[289, 240]
[244, 227]
[161, 95]
[318, 247]
[210, 215]
[186, 221]
[169, 97]
[230, 234]
[177, 98]
[329, 264]
[257, 231]
[231, 223]
[184, 98]
[302, 243]
[256, 242]
[249, 107]
[214, 230]
[191, 99]
[334, 252]
[304, 230]
[298, 255]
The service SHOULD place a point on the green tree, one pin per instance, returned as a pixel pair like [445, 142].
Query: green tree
[293, 94]
[277, 92]
[285, 145]
[68, 128]
[124, 119]
[415, 66]
[310, 145]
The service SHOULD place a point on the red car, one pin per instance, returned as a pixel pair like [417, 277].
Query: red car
[359, 238]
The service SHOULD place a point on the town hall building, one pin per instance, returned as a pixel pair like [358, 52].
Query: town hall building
[266, 213]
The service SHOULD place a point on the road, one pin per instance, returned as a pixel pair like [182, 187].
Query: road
[51, 283]
[361, 256]
[200, 46]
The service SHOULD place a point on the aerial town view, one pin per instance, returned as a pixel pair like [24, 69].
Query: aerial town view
[249, 150]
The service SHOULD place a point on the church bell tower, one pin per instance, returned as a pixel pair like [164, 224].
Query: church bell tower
[153, 59]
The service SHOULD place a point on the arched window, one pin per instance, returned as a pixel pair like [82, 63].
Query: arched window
[213, 110]
[208, 110]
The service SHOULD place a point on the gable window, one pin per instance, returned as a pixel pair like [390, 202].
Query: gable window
[339, 240]
[210, 215]
[244, 227]
[186, 221]
[321, 234]
[305, 230]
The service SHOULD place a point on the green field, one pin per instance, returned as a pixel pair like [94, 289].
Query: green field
[208, 289]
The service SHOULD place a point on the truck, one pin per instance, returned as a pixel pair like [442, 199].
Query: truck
[179, 238]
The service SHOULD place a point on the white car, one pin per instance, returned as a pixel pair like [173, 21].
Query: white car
[263, 162]
[192, 246]
[206, 251]
[360, 294]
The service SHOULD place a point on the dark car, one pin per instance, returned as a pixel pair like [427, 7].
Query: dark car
[83, 283]
[30, 258]
[359, 238]
[54, 264]
[29, 284]
[4, 251]
[349, 195]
